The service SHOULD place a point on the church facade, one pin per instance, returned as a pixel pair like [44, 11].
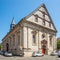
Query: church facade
[35, 32]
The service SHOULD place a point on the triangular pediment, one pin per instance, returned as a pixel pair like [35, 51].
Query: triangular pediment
[41, 14]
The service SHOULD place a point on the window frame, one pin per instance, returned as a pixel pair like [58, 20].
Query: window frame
[36, 18]
[34, 38]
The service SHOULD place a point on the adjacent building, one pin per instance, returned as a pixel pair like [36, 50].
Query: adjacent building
[35, 32]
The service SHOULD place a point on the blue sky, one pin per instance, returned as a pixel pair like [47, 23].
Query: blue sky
[21, 8]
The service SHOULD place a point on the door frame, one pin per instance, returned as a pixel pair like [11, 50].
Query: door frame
[44, 46]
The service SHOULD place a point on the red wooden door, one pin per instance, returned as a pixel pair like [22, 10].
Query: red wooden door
[43, 51]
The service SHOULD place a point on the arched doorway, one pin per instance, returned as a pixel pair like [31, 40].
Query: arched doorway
[44, 46]
[7, 47]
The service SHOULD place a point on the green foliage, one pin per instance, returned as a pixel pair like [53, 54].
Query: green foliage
[0, 46]
[58, 44]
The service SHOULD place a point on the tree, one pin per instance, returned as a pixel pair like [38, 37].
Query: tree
[58, 44]
[0, 46]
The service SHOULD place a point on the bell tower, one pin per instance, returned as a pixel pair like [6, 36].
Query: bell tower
[12, 24]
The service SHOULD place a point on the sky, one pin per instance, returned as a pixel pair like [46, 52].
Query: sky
[21, 8]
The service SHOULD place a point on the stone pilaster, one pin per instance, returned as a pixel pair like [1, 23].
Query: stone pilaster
[25, 37]
[55, 43]
[40, 39]
[48, 44]
[15, 39]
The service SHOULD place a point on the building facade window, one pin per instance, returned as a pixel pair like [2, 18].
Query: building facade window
[34, 37]
[43, 22]
[49, 24]
[43, 18]
[43, 14]
[43, 35]
[36, 18]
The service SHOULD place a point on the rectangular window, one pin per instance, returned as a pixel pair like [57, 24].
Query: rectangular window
[36, 18]
[34, 39]
[43, 22]
[49, 24]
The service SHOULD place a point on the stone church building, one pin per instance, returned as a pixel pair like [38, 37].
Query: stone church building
[35, 32]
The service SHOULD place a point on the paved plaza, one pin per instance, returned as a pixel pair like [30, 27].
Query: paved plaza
[46, 57]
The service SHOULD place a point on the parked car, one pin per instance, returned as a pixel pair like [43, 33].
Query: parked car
[59, 53]
[9, 54]
[21, 54]
[35, 54]
[1, 52]
[54, 53]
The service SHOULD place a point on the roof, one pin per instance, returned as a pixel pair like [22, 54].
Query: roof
[42, 5]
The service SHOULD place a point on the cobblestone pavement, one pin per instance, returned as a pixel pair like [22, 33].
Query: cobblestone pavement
[46, 57]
